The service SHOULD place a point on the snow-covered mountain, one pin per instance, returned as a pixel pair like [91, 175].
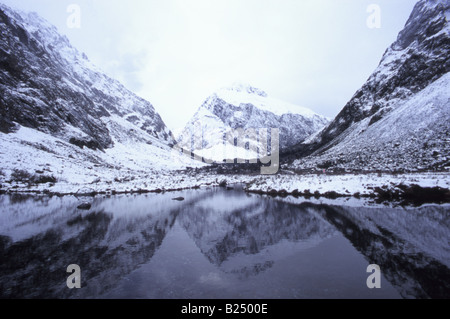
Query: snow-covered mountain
[242, 106]
[60, 114]
[399, 119]
[48, 85]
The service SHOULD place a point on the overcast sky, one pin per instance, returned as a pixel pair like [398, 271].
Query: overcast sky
[175, 53]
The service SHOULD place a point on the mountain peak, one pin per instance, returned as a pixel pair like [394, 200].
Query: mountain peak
[242, 106]
[429, 18]
[241, 94]
[245, 88]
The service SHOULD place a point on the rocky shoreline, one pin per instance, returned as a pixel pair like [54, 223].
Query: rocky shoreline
[413, 189]
[413, 194]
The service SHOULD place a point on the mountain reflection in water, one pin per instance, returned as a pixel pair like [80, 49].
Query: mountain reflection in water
[219, 244]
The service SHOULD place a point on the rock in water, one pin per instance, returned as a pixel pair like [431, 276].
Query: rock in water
[223, 183]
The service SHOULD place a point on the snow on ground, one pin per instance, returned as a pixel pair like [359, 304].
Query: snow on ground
[86, 170]
[413, 136]
[218, 152]
[346, 184]
[139, 167]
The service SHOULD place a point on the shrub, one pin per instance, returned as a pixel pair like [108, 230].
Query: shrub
[325, 165]
[23, 176]
[19, 175]
[42, 179]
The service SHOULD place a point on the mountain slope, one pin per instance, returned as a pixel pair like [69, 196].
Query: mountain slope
[67, 127]
[46, 84]
[399, 118]
[245, 107]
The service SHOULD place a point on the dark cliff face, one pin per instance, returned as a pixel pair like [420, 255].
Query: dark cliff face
[419, 57]
[48, 85]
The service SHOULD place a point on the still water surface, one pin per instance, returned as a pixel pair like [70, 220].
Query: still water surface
[220, 243]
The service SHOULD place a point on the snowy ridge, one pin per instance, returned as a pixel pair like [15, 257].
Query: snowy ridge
[241, 94]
